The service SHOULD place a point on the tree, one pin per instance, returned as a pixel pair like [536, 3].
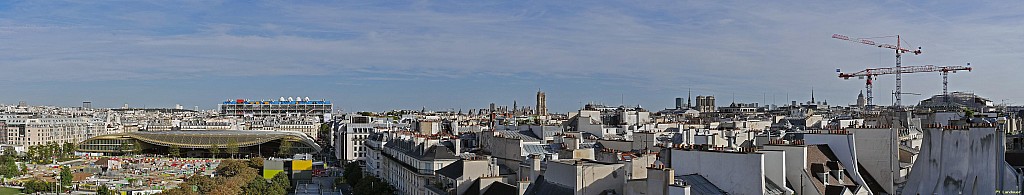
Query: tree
[52, 150]
[8, 168]
[968, 114]
[137, 147]
[325, 131]
[257, 185]
[69, 149]
[65, 176]
[232, 177]
[202, 183]
[102, 190]
[232, 148]
[35, 185]
[174, 151]
[256, 163]
[214, 150]
[286, 148]
[125, 148]
[352, 173]
[339, 181]
[8, 165]
[281, 183]
[30, 155]
[9, 151]
[372, 185]
[231, 168]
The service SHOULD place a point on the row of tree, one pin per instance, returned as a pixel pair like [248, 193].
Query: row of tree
[36, 185]
[235, 177]
[49, 151]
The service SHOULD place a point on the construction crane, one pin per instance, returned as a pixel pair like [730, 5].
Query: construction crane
[872, 74]
[899, 52]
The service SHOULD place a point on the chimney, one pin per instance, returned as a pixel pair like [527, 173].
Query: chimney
[535, 166]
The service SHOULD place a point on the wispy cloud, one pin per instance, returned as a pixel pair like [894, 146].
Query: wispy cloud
[745, 48]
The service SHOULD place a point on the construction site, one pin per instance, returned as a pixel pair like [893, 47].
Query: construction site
[952, 143]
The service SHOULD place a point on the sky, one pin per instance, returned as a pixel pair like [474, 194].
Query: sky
[451, 55]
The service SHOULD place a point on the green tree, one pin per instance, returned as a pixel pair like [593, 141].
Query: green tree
[137, 147]
[232, 148]
[214, 150]
[174, 151]
[256, 163]
[372, 185]
[203, 184]
[69, 149]
[52, 150]
[352, 173]
[968, 114]
[231, 168]
[257, 185]
[65, 176]
[286, 149]
[281, 183]
[9, 151]
[8, 164]
[125, 147]
[35, 185]
[102, 190]
[30, 155]
[325, 131]
[8, 168]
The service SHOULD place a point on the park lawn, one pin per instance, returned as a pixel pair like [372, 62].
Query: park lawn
[6, 190]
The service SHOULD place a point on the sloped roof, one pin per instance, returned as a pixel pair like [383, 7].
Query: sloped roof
[542, 187]
[771, 188]
[817, 157]
[537, 149]
[453, 171]
[501, 188]
[700, 185]
[474, 188]
[526, 136]
[416, 150]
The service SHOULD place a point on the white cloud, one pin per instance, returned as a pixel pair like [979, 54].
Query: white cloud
[736, 46]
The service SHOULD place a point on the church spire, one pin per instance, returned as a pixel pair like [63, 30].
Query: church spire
[812, 95]
[689, 98]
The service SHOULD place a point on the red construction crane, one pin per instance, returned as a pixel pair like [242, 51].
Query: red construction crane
[899, 51]
[871, 74]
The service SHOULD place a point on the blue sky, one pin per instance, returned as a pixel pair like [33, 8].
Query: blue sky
[377, 55]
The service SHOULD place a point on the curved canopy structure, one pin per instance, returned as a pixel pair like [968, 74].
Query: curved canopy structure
[205, 140]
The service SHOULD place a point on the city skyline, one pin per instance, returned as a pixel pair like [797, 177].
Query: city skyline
[407, 55]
